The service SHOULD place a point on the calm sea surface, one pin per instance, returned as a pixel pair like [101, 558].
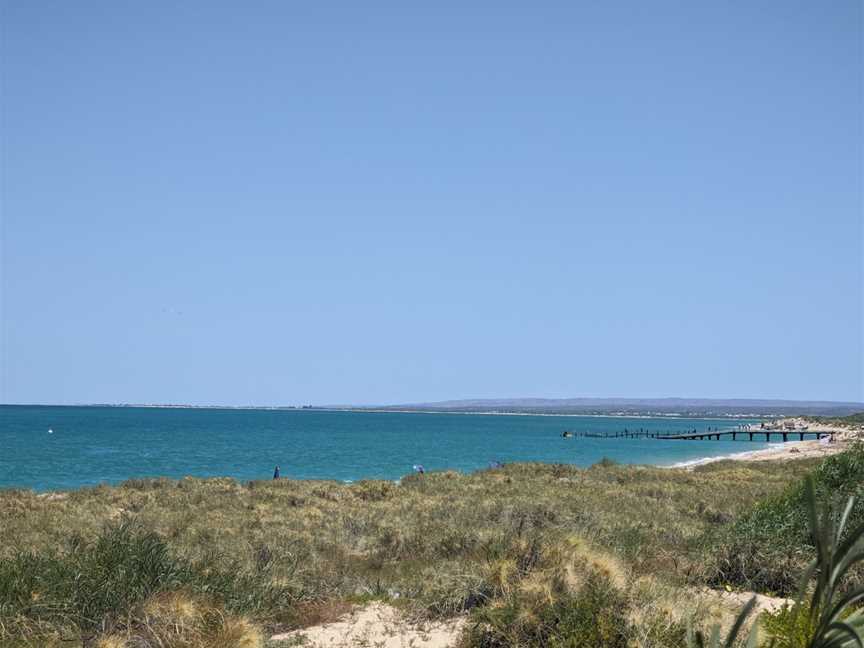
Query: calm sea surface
[91, 445]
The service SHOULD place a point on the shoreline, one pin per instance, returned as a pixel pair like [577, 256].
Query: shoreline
[783, 451]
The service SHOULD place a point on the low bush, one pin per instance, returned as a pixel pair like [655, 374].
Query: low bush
[766, 549]
[826, 612]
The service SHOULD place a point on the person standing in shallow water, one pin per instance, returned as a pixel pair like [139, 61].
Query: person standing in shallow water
[276, 473]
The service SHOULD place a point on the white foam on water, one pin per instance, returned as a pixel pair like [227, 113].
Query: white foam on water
[734, 455]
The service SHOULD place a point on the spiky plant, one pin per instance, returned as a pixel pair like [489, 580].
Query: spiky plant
[834, 619]
[699, 640]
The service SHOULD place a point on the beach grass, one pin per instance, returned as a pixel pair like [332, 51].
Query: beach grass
[523, 549]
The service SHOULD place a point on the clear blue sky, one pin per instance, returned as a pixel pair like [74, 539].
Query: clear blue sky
[364, 202]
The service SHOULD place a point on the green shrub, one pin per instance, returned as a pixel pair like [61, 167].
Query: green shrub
[826, 614]
[767, 548]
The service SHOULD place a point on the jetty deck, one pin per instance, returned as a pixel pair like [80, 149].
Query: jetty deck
[749, 433]
[746, 435]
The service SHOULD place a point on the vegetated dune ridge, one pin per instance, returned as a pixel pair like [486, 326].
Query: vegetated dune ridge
[615, 555]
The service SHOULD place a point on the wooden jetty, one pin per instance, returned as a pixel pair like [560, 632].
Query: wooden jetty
[734, 434]
[747, 435]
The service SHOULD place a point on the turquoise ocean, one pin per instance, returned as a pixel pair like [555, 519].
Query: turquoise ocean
[92, 445]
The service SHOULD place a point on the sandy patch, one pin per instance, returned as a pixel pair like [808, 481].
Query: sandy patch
[52, 497]
[734, 601]
[378, 625]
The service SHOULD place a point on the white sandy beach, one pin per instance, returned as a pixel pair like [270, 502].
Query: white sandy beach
[786, 451]
[781, 452]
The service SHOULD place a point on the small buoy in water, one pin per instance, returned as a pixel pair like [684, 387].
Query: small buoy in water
[50, 431]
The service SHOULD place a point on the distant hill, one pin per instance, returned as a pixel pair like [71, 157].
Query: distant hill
[642, 406]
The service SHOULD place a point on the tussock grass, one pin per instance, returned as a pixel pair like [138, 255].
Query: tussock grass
[106, 563]
[181, 620]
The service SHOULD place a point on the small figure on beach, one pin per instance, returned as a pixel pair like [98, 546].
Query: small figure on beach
[419, 469]
[276, 473]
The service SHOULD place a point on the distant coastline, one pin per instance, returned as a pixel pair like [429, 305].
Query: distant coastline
[632, 415]
[664, 408]
[393, 410]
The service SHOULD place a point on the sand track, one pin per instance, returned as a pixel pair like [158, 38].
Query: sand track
[376, 626]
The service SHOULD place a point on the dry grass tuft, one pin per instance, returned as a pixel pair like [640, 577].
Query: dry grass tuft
[237, 632]
[173, 607]
[111, 641]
